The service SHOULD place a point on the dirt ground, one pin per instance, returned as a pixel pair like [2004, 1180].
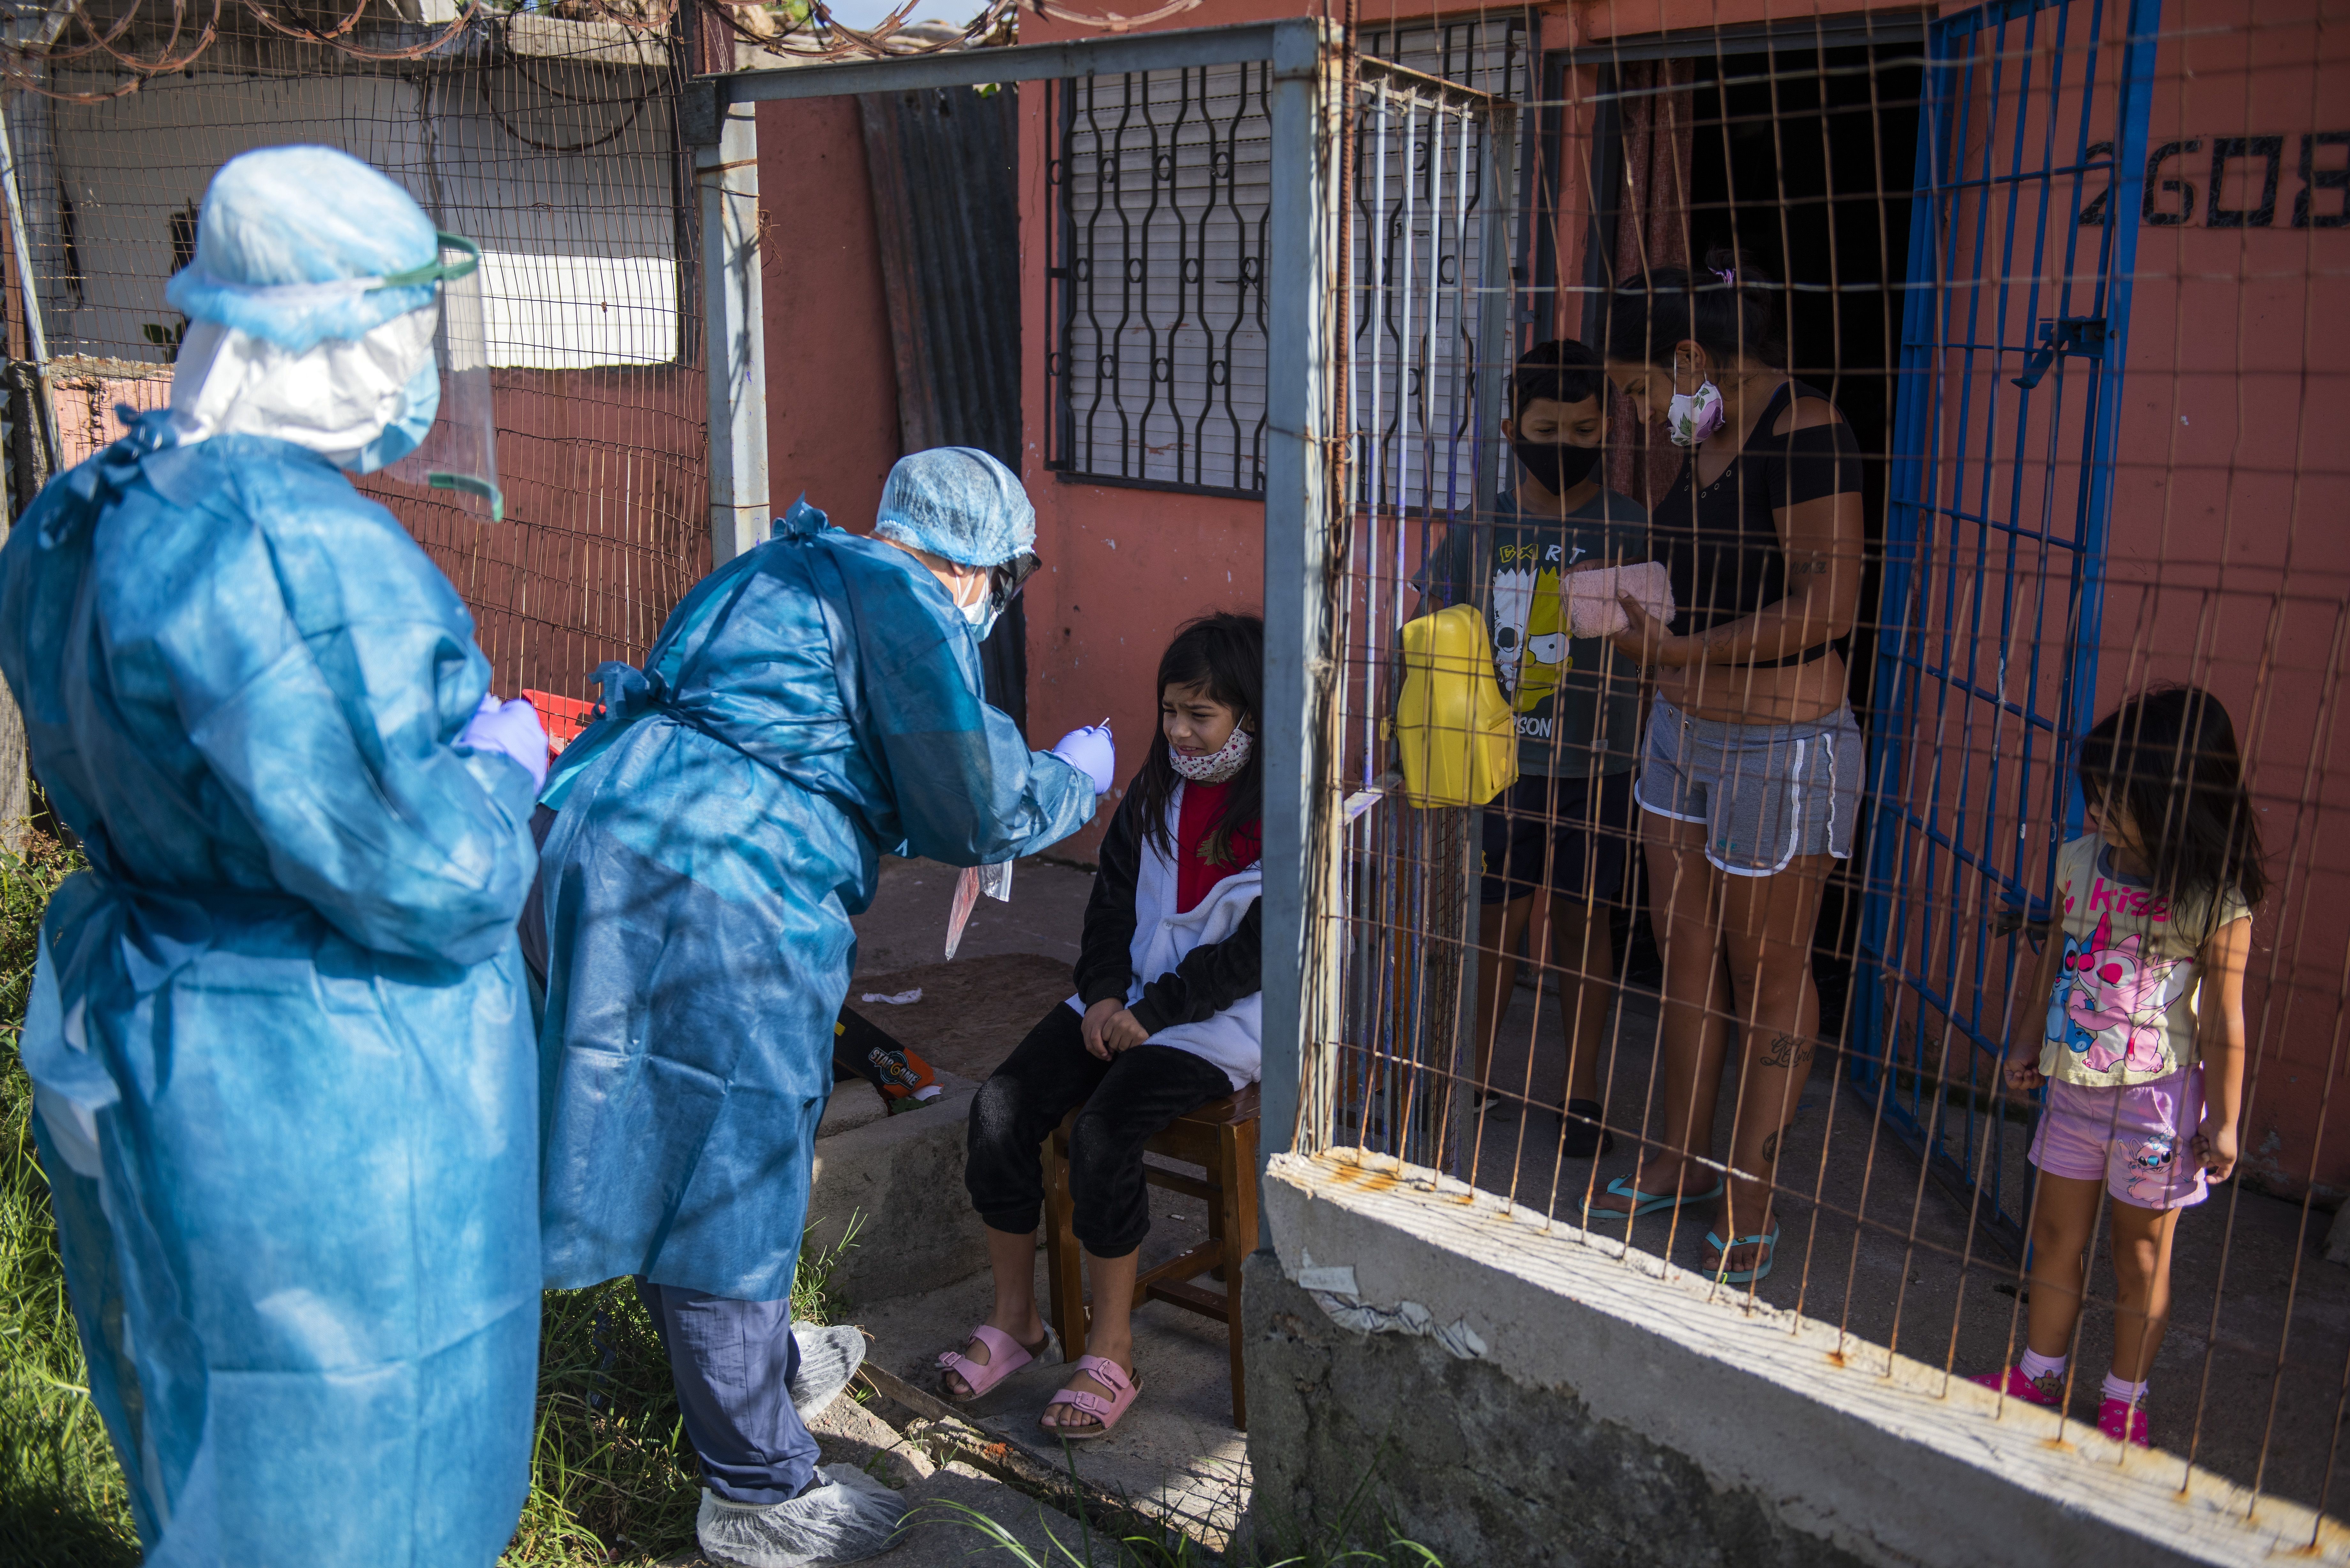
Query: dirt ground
[973, 1010]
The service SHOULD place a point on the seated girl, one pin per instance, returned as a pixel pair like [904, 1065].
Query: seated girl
[1166, 1019]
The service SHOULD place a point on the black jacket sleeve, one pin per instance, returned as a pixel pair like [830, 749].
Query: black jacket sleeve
[1105, 964]
[1210, 977]
[532, 926]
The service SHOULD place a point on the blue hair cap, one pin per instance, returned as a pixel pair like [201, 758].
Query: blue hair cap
[956, 502]
[282, 227]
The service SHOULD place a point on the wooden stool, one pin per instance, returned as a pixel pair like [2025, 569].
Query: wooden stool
[1220, 1138]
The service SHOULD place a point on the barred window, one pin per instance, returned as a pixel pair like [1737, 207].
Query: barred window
[1156, 365]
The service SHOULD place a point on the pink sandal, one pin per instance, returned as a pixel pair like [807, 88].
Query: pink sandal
[1105, 1412]
[1006, 1355]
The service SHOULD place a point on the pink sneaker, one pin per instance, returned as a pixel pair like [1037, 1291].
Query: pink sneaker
[2124, 1424]
[2048, 1391]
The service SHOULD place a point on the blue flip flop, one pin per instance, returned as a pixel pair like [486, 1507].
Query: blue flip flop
[1649, 1203]
[1745, 1276]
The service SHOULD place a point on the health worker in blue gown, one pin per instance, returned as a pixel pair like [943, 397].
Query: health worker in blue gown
[284, 1086]
[812, 705]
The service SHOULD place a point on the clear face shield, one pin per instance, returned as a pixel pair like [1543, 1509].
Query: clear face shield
[459, 453]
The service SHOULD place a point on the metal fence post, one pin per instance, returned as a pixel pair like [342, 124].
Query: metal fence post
[734, 335]
[1298, 668]
[1459, 833]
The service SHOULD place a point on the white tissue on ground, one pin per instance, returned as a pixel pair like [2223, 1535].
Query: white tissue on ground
[901, 1000]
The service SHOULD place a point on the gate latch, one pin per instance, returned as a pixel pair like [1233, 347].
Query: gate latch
[2034, 920]
[2081, 334]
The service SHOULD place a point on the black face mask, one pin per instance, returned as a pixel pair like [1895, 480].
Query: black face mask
[1557, 467]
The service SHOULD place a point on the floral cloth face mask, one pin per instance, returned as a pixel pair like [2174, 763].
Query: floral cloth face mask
[1219, 766]
[1693, 416]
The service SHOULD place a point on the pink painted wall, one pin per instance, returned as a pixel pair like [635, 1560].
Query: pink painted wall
[84, 394]
[2229, 560]
[2227, 563]
[832, 383]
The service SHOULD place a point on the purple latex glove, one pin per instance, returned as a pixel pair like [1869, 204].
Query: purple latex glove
[1092, 753]
[511, 730]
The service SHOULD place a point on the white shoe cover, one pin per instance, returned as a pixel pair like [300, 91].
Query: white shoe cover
[853, 1518]
[829, 1358]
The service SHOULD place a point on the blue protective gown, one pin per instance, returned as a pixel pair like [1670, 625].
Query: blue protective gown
[811, 704]
[278, 1035]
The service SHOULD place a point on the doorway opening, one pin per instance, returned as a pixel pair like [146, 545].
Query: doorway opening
[1802, 157]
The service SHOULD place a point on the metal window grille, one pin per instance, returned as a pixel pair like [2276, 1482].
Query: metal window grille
[1421, 193]
[1156, 368]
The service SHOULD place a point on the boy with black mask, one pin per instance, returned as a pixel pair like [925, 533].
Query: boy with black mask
[1556, 843]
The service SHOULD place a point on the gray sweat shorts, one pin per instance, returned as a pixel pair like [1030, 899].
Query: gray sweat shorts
[1765, 793]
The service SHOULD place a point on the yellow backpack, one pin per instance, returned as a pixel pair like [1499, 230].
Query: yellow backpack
[1456, 734]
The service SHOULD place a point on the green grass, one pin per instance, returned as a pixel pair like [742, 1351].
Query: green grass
[612, 1478]
[61, 1496]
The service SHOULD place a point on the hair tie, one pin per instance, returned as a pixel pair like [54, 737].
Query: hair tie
[1729, 278]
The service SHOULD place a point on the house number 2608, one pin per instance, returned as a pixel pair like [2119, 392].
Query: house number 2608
[2173, 169]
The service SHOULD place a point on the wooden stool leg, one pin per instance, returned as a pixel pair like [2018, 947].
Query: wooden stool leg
[1216, 1222]
[1237, 1148]
[1065, 1284]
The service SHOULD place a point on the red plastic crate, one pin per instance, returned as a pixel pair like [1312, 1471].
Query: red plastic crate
[564, 717]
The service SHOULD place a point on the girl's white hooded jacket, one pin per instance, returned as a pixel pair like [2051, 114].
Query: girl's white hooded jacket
[1191, 978]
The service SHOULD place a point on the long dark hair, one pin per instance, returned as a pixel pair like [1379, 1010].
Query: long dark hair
[1225, 654]
[1726, 317]
[2168, 758]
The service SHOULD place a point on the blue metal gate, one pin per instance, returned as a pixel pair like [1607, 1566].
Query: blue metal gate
[2030, 172]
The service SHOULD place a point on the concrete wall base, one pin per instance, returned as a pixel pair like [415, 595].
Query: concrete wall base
[891, 1175]
[1506, 1388]
[1384, 1434]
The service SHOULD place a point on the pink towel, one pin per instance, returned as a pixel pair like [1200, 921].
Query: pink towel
[1591, 606]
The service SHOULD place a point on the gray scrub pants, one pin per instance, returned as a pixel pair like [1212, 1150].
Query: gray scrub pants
[732, 1363]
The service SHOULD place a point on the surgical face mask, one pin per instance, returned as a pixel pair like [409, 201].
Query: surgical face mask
[1694, 416]
[982, 617]
[1219, 766]
[407, 432]
[1556, 468]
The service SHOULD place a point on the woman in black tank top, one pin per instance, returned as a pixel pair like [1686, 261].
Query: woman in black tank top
[1720, 543]
[1749, 772]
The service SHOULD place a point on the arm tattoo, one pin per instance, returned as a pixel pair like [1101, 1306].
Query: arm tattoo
[1786, 1050]
[1770, 1149]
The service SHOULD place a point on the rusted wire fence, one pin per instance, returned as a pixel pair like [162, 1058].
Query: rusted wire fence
[2058, 271]
[553, 144]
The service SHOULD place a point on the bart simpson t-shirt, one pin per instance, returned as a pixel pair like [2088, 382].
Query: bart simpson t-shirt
[2123, 1008]
[1577, 702]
